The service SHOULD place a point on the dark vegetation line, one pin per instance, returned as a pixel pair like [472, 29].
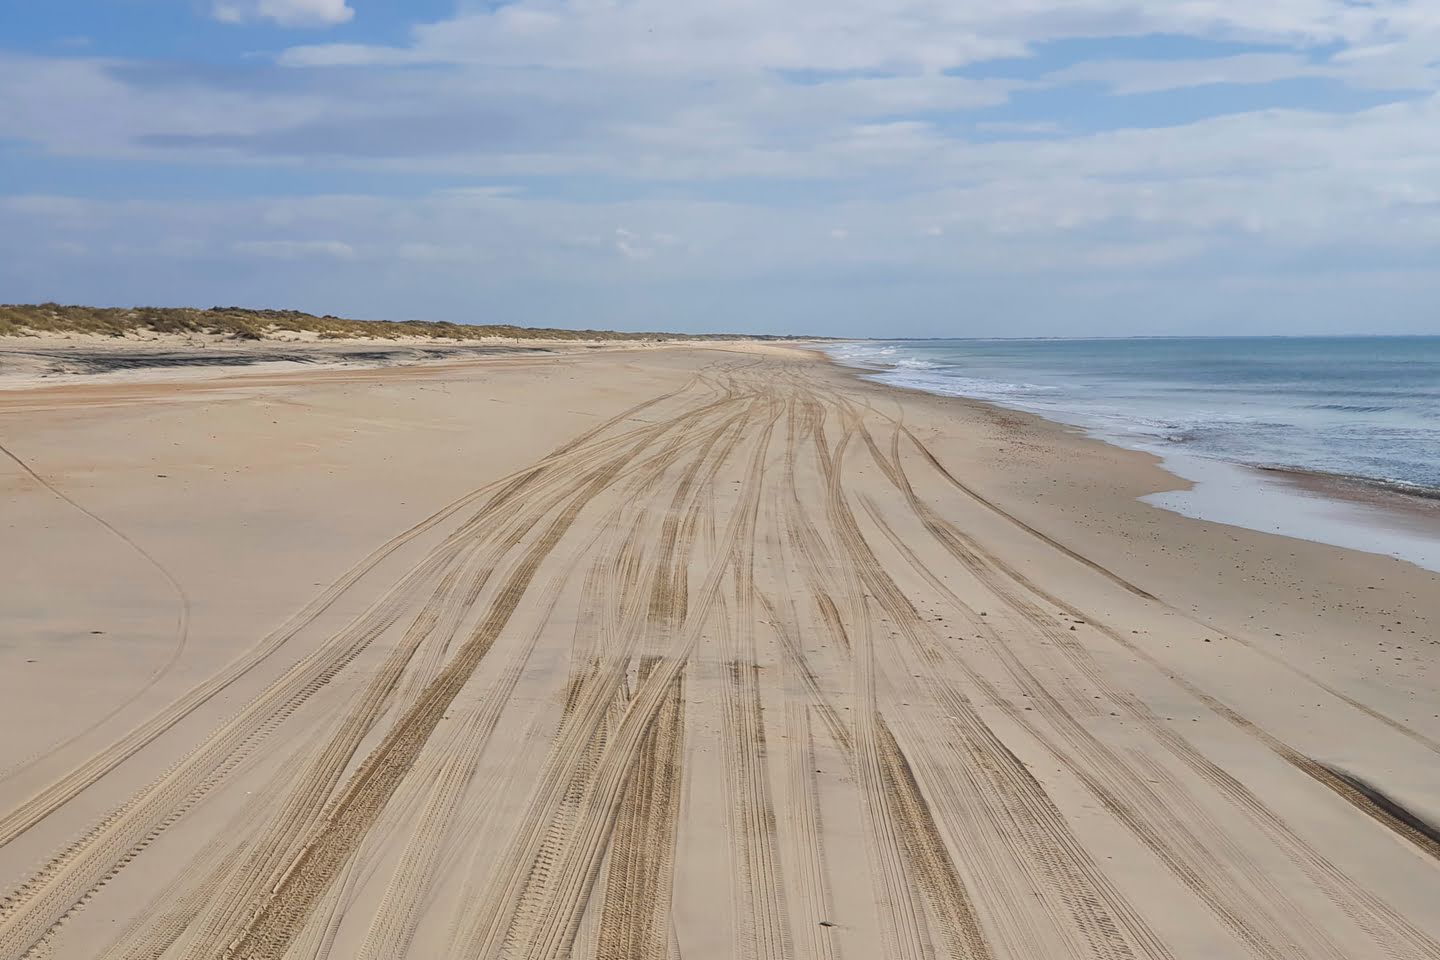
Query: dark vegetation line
[243, 324]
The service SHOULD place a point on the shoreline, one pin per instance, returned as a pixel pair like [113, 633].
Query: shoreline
[380, 598]
[1368, 489]
[1381, 517]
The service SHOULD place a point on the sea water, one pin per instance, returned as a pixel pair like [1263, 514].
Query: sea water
[1362, 407]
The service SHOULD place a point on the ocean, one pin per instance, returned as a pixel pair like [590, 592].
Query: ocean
[1362, 407]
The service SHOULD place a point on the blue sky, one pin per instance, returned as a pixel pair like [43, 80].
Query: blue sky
[864, 167]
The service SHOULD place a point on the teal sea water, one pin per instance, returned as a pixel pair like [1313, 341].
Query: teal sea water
[1365, 407]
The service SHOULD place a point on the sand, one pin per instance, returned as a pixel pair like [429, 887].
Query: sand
[46, 359]
[678, 652]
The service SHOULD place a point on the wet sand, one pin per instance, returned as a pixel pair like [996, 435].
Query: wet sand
[700, 652]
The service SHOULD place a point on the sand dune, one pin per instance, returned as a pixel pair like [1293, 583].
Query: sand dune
[687, 652]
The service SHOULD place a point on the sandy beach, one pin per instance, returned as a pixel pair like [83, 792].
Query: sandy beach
[677, 651]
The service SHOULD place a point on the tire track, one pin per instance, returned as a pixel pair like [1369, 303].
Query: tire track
[759, 887]
[1390, 932]
[587, 704]
[635, 922]
[1110, 927]
[182, 624]
[52, 798]
[925, 848]
[270, 929]
[393, 927]
[35, 908]
[902, 913]
[807, 850]
[574, 877]
[1427, 742]
[753, 831]
[285, 848]
[500, 771]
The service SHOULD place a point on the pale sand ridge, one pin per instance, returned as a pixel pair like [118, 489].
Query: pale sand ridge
[690, 652]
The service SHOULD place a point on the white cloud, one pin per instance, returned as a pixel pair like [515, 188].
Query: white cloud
[1150, 76]
[1019, 127]
[816, 120]
[295, 249]
[86, 107]
[632, 246]
[924, 36]
[423, 252]
[430, 257]
[287, 13]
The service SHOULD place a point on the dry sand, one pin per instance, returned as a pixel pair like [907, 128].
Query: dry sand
[681, 652]
[45, 359]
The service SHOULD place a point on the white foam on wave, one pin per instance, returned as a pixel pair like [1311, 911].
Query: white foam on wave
[1195, 445]
[953, 385]
[864, 355]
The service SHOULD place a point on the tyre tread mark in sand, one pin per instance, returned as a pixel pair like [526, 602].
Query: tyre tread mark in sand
[510, 884]
[1139, 808]
[759, 891]
[635, 922]
[67, 787]
[1389, 930]
[265, 866]
[753, 833]
[182, 620]
[394, 925]
[903, 915]
[315, 786]
[925, 847]
[33, 910]
[583, 857]
[1428, 742]
[395, 911]
[288, 903]
[967, 853]
[806, 834]
[575, 874]
[1097, 907]
[1108, 924]
[1386, 927]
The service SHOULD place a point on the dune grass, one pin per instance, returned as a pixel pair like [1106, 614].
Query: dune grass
[242, 324]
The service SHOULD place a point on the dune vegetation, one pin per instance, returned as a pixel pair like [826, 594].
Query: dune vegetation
[244, 324]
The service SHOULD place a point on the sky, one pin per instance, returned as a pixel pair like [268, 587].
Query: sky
[851, 167]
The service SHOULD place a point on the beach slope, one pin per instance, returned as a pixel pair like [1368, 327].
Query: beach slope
[688, 651]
